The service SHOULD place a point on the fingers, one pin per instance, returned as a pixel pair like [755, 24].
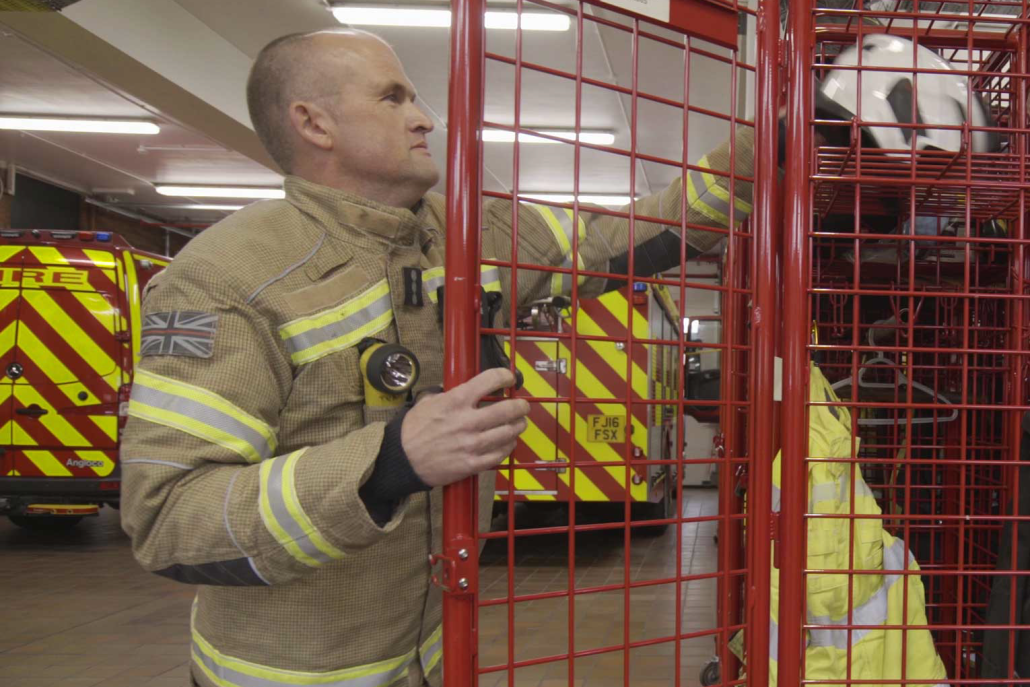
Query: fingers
[486, 383]
[501, 438]
[500, 413]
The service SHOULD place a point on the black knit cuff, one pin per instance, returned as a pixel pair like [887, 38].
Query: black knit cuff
[392, 478]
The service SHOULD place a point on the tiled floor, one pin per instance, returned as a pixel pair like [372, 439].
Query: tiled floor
[541, 627]
[75, 609]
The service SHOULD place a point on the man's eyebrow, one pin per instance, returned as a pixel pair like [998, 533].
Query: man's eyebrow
[394, 86]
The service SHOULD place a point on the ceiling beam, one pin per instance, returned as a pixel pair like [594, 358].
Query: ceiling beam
[90, 54]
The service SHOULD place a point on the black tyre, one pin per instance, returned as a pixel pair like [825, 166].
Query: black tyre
[711, 674]
[46, 523]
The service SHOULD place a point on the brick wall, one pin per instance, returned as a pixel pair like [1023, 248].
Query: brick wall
[139, 236]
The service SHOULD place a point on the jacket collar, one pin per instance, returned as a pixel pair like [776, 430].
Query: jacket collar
[346, 213]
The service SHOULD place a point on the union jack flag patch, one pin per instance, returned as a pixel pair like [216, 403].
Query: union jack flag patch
[184, 333]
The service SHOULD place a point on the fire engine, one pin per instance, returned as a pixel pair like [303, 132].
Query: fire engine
[603, 430]
[69, 340]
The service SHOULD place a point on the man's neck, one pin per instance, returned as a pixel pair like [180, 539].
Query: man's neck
[391, 196]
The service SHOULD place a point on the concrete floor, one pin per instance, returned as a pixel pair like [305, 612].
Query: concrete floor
[75, 609]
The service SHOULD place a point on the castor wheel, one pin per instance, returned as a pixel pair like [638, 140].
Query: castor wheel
[710, 674]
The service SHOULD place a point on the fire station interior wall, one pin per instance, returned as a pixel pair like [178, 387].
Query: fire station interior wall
[699, 435]
[5, 210]
[139, 236]
[39, 205]
[23, 211]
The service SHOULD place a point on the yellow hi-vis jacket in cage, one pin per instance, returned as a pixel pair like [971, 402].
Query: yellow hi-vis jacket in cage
[248, 437]
[877, 599]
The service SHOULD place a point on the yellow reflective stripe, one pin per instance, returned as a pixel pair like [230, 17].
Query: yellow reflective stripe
[431, 650]
[52, 366]
[107, 465]
[8, 252]
[108, 424]
[54, 422]
[284, 517]
[280, 493]
[432, 279]
[705, 195]
[537, 386]
[48, 255]
[490, 278]
[226, 671]
[155, 261]
[47, 463]
[201, 413]
[133, 293]
[561, 229]
[95, 356]
[99, 307]
[313, 337]
[612, 357]
[101, 258]
[7, 338]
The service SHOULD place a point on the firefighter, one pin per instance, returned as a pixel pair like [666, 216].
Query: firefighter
[258, 464]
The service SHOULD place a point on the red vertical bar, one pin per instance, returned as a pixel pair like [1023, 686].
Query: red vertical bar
[462, 264]
[765, 329]
[793, 475]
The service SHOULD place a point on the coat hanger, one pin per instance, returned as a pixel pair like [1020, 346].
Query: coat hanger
[901, 380]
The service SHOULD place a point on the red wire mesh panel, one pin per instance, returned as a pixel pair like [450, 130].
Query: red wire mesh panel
[905, 366]
[636, 349]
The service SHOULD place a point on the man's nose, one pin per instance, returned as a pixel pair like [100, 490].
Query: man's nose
[420, 121]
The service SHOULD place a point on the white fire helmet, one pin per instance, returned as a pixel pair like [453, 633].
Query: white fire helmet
[943, 99]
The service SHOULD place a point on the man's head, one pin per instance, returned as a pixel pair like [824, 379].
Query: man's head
[336, 108]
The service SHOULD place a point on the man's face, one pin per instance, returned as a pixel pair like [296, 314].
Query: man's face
[380, 132]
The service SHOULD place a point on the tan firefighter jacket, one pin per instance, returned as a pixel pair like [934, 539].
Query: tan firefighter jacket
[248, 438]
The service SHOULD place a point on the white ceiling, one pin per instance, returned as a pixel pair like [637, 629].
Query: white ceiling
[178, 54]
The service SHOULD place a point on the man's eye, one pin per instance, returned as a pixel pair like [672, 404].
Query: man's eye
[393, 98]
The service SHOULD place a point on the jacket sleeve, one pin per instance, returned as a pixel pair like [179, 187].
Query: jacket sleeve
[208, 496]
[545, 233]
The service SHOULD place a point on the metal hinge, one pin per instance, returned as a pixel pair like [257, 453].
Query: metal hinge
[459, 567]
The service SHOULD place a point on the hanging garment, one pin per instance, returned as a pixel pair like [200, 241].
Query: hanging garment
[999, 608]
[876, 599]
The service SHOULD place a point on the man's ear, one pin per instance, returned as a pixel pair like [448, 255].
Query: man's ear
[312, 123]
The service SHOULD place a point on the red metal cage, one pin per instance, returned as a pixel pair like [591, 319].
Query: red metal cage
[630, 623]
[908, 270]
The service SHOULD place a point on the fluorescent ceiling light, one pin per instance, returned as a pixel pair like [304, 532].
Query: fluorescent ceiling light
[224, 208]
[601, 138]
[94, 126]
[220, 192]
[441, 18]
[590, 198]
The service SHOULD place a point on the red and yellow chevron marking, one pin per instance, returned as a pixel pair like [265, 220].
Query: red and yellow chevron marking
[601, 373]
[63, 332]
[64, 463]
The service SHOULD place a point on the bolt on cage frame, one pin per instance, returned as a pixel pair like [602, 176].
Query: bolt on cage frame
[698, 30]
[943, 308]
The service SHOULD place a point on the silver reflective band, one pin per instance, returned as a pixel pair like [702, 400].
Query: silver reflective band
[872, 612]
[339, 328]
[151, 461]
[283, 517]
[202, 413]
[705, 196]
[429, 654]
[224, 675]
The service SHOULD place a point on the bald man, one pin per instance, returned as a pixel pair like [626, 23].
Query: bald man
[253, 466]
